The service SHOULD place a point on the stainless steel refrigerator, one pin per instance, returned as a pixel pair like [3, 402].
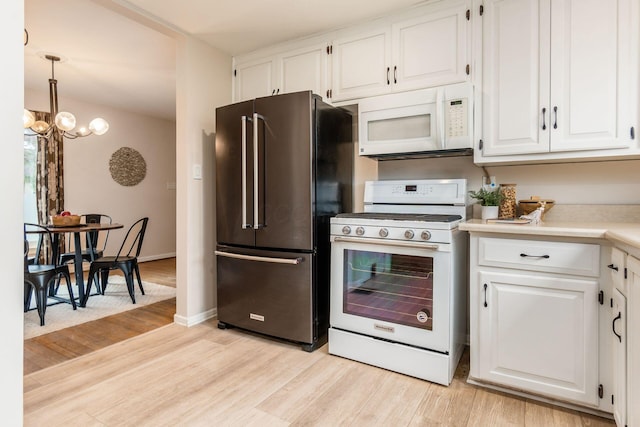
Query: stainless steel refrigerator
[283, 169]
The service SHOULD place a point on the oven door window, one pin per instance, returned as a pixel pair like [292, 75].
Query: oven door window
[390, 287]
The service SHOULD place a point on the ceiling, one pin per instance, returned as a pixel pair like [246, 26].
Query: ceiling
[109, 58]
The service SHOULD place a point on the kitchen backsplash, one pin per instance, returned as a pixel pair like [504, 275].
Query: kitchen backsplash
[593, 183]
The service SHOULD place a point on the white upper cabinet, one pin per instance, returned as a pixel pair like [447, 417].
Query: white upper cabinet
[430, 50]
[590, 84]
[291, 71]
[360, 65]
[427, 50]
[303, 69]
[556, 77]
[515, 84]
[253, 79]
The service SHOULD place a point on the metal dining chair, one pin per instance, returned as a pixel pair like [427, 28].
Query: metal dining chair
[95, 244]
[126, 260]
[41, 271]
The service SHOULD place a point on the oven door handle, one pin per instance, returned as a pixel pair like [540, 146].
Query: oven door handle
[293, 261]
[417, 245]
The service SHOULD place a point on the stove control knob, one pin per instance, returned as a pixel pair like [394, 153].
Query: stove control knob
[408, 234]
[425, 235]
[359, 231]
[384, 232]
[346, 229]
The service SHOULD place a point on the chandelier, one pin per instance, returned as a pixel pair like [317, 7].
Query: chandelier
[63, 122]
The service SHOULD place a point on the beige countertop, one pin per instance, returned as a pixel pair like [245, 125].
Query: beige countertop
[626, 233]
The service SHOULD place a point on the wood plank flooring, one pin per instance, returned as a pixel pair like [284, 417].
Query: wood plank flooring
[204, 376]
[56, 347]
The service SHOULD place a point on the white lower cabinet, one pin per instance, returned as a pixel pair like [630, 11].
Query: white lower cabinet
[619, 332]
[539, 334]
[633, 341]
[625, 337]
[535, 318]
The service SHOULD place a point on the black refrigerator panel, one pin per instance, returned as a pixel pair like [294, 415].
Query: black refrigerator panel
[285, 155]
[234, 174]
[269, 292]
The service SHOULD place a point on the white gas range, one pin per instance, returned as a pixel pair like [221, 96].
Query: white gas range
[398, 278]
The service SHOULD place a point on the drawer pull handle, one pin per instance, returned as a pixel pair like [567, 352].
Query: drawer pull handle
[485, 294]
[534, 256]
[613, 267]
[613, 326]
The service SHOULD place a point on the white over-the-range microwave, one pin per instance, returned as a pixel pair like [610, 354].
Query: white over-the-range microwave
[435, 121]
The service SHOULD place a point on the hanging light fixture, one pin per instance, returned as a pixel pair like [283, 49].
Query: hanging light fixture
[63, 122]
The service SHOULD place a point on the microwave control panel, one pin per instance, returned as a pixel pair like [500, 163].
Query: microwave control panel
[456, 118]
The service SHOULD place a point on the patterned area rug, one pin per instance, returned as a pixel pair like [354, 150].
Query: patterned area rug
[115, 300]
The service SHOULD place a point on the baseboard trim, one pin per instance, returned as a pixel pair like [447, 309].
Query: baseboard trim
[194, 320]
[156, 257]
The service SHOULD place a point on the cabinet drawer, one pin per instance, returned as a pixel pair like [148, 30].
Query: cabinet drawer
[581, 259]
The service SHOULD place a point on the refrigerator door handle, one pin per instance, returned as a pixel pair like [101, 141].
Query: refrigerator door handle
[256, 179]
[292, 261]
[245, 224]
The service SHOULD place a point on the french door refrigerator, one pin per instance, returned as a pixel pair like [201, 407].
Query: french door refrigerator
[283, 169]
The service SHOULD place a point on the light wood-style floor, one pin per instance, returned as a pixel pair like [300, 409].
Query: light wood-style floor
[204, 376]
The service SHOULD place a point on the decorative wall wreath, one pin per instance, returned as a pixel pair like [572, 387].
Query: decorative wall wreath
[127, 167]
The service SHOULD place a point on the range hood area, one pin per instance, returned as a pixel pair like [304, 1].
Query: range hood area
[455, 152]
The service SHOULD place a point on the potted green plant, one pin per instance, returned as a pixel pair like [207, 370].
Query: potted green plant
[489, 200]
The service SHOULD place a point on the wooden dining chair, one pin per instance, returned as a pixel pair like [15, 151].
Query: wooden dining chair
[126, 260]
[41, 271]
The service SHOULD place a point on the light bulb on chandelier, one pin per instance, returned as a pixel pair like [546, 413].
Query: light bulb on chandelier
[63, 121]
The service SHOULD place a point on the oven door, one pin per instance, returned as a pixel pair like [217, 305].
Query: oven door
[398, 292]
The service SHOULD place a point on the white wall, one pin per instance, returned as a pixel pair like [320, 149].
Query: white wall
[11, 172]
[203, 83]
[89, 187]
[598, 183]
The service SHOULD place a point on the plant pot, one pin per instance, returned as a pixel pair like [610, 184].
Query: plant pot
[489, 212]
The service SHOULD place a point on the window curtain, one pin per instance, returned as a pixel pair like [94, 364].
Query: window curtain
[50, 174]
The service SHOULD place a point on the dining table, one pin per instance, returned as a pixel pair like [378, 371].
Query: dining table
[77, 230]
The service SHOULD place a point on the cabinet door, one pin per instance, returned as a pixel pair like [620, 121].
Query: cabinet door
[430, 50]
[617, 269]
[619, 332]
[361, 65]
[253, 79]
[539, 334]
[515, 58]
[590, 74]
[304, 69]
[633, 340]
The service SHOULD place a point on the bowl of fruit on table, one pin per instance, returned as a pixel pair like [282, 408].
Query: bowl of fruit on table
[65, 219]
